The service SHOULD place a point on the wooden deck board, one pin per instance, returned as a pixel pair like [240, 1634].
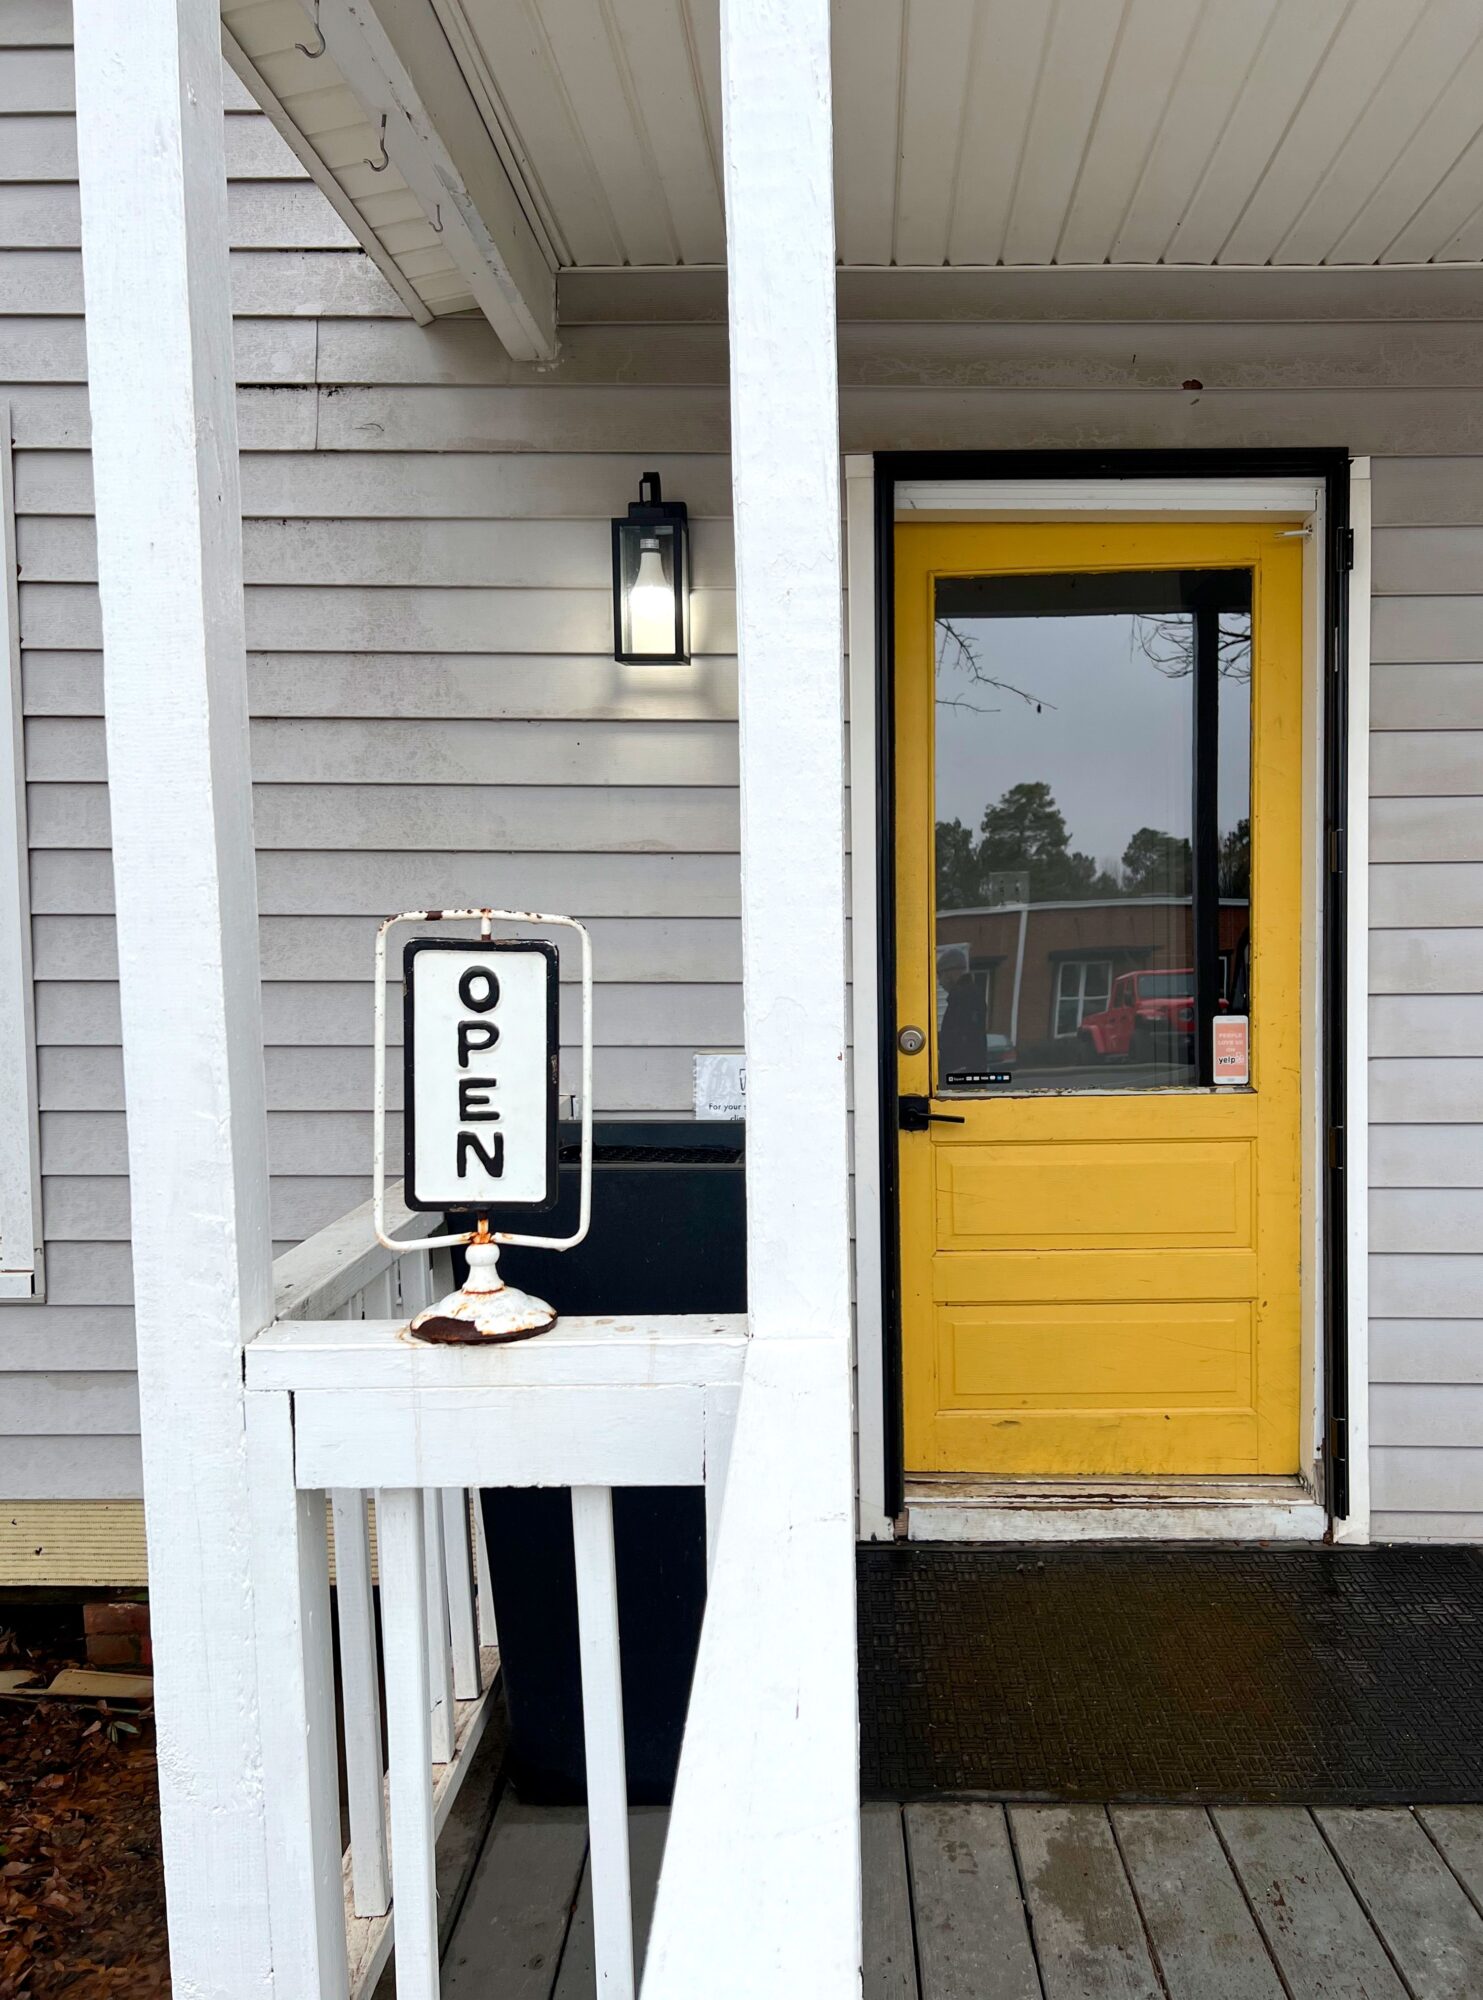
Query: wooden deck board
[1315, 1929]
[1089, 1937]
[577, 1979]
[889, 1959]
[1206, 1940]
[510, 1935]
[976, 1901]
[1458, 1833]
[1413, 1898]
[973, 1942]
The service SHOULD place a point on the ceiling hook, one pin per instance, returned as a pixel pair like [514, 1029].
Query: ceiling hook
[436, 218]
[303, 47]
[380, 166]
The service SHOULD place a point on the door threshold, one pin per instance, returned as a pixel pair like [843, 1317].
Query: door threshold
[947, 1508]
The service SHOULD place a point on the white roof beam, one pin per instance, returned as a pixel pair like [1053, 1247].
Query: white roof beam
[395, 57]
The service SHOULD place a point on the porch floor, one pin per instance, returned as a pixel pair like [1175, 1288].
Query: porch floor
[977, 1901]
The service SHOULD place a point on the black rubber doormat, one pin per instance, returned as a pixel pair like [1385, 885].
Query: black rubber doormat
[1291, 1676]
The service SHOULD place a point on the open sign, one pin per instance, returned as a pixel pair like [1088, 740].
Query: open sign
[481, 1051]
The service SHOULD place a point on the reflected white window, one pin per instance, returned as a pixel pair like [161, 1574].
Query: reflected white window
[1082, 987]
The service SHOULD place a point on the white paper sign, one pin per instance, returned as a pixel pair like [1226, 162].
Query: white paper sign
[481, 1047]
[720, 1086]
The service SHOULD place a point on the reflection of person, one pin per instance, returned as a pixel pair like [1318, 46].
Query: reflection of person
[964, 1025]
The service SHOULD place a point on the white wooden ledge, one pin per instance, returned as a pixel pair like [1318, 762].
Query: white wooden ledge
[696, 1350]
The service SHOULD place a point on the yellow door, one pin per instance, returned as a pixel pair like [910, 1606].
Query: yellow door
[1099, 898]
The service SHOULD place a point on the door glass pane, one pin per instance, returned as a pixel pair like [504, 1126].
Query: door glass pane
[1065, 815]
[1233, 798]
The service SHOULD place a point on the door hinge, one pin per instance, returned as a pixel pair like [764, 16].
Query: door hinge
[1344, 548]
[1336, 850]
[1336, 1149]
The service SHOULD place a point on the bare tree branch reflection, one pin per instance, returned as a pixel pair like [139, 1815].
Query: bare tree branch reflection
[966, 660]
[1169, 644]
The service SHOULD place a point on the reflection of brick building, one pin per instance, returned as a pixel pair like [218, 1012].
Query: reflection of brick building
[1046, 965]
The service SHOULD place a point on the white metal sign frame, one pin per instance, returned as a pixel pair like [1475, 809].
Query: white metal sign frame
[486, 920]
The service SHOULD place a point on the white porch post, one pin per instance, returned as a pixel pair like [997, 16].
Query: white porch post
[769, 1775]
[154, 235]
[785, 490]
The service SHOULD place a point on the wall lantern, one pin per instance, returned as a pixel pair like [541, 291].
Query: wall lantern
[651, 579]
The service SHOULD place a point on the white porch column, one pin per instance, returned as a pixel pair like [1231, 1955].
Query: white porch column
[759, 1898]
[785, 490]
[154, 235]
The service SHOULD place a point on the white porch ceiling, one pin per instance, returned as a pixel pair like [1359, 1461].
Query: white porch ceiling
[969, 133]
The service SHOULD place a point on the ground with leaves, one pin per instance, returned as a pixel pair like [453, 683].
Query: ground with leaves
[82, 1901]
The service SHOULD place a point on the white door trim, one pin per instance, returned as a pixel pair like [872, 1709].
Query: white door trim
[1163, 498]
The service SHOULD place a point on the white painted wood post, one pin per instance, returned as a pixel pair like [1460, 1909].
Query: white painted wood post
[720, 1427]
[602, 1729]
[365, 1794]
[296, 1671]
[458, 1567]
[769, 1773]
[439, 1661]
[786, 498]
[414, 1901]
[488, 1630]
[164, 442]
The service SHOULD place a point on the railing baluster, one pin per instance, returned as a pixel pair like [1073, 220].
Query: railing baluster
[488, 1634]
[720, 1427]
[415, 1277]
[401, 1542]
[439, 1661]
[602, 1720]
[356, 1614]
[291, 1585]
[458, 1567]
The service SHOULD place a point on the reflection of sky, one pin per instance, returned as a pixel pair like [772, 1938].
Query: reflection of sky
[1115, 748]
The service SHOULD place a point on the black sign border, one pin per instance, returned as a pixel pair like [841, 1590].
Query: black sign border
[501, 947]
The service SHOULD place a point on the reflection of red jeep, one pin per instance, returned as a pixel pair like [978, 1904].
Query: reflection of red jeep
[1149, 1014]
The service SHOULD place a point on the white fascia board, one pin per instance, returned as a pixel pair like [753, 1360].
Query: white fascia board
[395, 56]
[1065, 499]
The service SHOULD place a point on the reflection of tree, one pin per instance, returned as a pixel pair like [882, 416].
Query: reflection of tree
[1156, 864]
[1168, 643]
[1023, 838]
[1234, 867]
[1023, 834]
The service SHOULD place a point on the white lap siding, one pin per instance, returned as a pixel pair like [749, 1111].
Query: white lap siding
[438, 716]
[1426, 976]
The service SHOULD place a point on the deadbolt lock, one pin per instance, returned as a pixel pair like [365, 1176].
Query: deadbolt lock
[911, 1041]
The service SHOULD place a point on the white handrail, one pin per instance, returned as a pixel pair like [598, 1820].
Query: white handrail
[321, 1275]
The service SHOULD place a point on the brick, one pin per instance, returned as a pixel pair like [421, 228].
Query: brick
[117, 1617]
[113, 1649]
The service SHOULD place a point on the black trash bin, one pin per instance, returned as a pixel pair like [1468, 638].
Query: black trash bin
[668, 1235]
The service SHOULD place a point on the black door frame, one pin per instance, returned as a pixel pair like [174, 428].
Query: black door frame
[1330, 467]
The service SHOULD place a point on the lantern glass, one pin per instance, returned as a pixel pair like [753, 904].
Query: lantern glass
[651, 581]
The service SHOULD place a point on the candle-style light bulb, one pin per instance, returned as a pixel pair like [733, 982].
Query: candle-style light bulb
[651, 603]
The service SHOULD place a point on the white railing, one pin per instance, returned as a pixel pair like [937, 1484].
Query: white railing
[341, 1403]
[343, 1273]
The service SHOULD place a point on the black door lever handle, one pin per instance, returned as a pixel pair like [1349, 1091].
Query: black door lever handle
[915, 1114]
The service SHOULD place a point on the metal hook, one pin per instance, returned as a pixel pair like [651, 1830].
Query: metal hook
[436, 218]
[380, 166]
[303, 47]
